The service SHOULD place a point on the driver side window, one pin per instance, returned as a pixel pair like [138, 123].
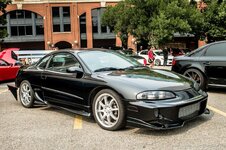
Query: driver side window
[61, 62]
[2, 63]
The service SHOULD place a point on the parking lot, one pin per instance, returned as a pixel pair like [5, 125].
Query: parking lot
[48, 128]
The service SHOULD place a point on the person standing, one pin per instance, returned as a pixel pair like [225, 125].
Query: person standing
[151, 57]
[165, 55]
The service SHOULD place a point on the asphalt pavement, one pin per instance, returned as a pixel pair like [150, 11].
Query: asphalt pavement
[45, 128]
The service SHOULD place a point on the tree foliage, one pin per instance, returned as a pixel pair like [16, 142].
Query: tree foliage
[154, 21]
[3, 5]
[215, 20]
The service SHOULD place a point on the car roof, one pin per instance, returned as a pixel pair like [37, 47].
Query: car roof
[157, 50]
[80, 50]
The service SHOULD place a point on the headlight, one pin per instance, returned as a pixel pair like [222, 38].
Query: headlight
[155, 95]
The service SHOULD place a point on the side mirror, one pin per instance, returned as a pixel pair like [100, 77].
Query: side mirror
[76, 70]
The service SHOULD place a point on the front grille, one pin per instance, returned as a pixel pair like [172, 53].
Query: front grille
[189, 110]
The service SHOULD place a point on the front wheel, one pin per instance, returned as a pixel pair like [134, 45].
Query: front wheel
[26, 94]
[108, 110]
[197, 76]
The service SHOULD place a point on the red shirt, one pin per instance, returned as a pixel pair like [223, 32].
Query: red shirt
[150, 54]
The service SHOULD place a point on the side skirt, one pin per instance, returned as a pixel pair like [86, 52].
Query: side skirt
[79, 112]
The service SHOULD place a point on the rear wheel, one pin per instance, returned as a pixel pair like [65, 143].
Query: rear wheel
[26, 94]
[197, 76]
[157, 62]
[108, 110]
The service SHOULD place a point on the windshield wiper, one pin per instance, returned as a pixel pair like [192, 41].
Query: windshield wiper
[107, 69]
[133, 67]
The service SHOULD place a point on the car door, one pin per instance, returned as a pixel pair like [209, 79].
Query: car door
[7, 71]
[214, 63]
[144, 54]
[62, 88]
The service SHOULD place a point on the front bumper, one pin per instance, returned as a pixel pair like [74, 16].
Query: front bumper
[164, 115]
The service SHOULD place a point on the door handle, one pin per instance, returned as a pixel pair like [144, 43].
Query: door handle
[207, 63]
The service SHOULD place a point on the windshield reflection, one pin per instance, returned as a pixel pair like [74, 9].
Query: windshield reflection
[98, 60]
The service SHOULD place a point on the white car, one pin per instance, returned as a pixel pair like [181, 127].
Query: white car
[159, 59]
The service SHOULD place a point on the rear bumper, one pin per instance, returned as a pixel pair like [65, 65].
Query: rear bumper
[13, 89]
[153, 116]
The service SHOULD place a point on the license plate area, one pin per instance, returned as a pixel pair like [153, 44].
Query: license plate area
[188, 110]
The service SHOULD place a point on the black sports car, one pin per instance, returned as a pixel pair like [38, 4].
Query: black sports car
[206, 65]
[112, 87]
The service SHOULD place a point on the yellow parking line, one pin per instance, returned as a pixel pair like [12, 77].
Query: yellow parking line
[78, 122]
[217, 110]
[3, 91]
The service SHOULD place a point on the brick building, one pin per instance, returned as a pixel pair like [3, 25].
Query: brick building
[45, 24]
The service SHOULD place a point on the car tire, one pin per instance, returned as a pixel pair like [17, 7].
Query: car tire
[157, 62]
[26, 94]
[197, 76]
[108, 110]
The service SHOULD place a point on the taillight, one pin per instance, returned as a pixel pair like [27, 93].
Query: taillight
[145, 62]
[173, 62]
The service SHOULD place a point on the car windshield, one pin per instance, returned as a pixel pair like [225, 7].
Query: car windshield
[107, 60]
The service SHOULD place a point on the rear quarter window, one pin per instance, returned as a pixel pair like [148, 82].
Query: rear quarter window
[218, 49]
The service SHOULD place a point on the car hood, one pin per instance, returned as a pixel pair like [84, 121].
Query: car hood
[146, 79]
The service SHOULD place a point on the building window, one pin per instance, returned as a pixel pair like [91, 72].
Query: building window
[28, 30]
[39, 30]
[83, 23]
[67, 27]
[20, 14]
[27, 14]
[66, 11]
[103, 29]
[56, 28]
[61, 19]
[96, 21]
[21, 30]
[25, 23]
[55, 12]
[14, 31]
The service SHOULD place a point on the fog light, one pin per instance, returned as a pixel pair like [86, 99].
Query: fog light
[156, 113]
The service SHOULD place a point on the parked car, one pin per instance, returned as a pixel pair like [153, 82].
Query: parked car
[159, 59]
[140, 59]
[112, 87]
[206, 65]
[179, 51]
[8, 71]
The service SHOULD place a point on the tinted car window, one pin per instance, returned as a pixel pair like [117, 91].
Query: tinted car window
[42, 64]
[106, 59]
[61, 62]
[159, 53]
[144, 52]
[3, 63]
[216, 50]
[197, 53]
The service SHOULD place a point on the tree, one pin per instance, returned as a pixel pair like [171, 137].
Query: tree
[215, 20]
[117, 18]
[3, 5]
[154, 21]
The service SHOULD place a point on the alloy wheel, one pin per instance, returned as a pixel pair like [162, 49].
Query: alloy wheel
[107, 110]
[193, 75]
[26, 94]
